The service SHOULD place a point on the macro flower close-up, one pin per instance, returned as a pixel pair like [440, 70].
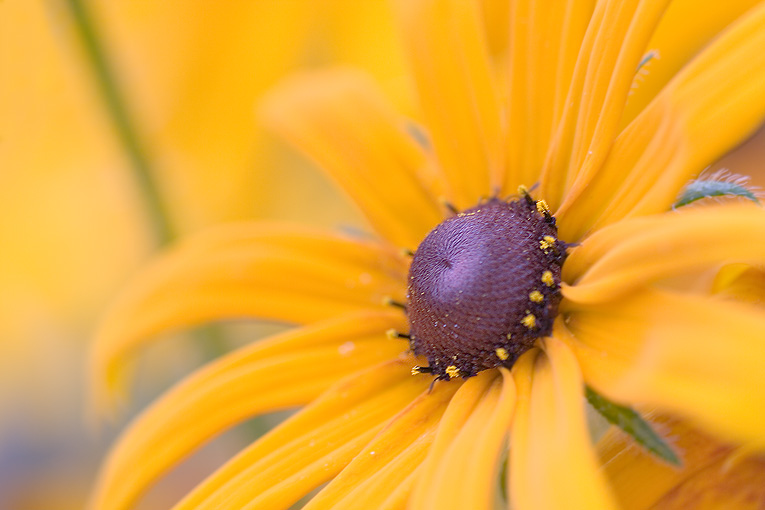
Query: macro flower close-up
[546, 240]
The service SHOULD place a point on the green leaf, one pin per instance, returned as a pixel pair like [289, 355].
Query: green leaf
[633, 424]
[701, 188]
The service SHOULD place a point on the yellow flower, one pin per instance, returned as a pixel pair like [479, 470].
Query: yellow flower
[551, 106]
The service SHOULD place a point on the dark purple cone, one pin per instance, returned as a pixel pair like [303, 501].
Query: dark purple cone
[475, 279]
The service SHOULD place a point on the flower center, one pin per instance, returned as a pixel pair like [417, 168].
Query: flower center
[483, 286]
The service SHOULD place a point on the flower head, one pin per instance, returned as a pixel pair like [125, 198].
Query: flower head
[514, 303]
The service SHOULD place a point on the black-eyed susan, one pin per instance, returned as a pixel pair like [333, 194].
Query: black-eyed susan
[514, 300]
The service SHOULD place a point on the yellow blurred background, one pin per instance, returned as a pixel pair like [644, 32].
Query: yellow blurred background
[74, 225]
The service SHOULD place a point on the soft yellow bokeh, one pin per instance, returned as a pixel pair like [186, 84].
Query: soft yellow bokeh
[73, 225]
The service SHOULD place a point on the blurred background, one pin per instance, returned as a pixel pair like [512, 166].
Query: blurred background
[93, 96]
[97, 98]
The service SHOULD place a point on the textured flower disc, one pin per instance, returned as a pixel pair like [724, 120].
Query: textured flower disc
[483, 286]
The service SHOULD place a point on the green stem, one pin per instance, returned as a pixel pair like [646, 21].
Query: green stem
[212, 339]
[116, 106]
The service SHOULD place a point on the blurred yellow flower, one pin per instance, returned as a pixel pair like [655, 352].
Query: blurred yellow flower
[73, 224]
[552, 106]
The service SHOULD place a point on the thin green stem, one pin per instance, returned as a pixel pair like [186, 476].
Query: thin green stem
[116, 106]
[211, 338]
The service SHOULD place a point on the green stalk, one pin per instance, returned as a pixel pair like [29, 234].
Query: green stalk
[116, 106]
[212, 339]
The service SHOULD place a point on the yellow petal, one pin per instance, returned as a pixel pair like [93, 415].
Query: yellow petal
[316, 444]
[398, 497]
[552, 464]
[192, 82]
[615, 42]
[461, 468]
[741, 281]
[495, 19]
[685, 29]
[260, 270]
[543, 49]
[679, 133]
[730, 484]
[457, 94]
[383, 485]
[694, 356]
[390, 459]
[714, 475]
[638, 478]
[284, 371]
[630, 254]
[340, 119]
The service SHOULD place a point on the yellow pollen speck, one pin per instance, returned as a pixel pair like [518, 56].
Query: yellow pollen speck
[452, 371]
[416, 370]
[536, 296]
[529, 321]
[542, 207]
[547, 278]
[545, 245]
[509, 336]
[549, 239]
[502, 354]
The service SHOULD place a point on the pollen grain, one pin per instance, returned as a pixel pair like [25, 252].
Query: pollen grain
[452, 371]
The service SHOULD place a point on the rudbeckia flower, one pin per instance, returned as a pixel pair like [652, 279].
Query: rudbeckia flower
[528, 248]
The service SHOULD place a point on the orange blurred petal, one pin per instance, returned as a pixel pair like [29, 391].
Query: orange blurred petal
[695, 356]
[461, 468]
[685, 29]
[544, 43]
[613, 45]
[638, 478]
[258, 270]
[457, 93]
[343, 121]
[741, 281]
[552, 463]
[714, 476]
[631, 254]
[319, 442]
[281, 372]
[390, 459]
[679, 133]
[731, 484]
[495, 20]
